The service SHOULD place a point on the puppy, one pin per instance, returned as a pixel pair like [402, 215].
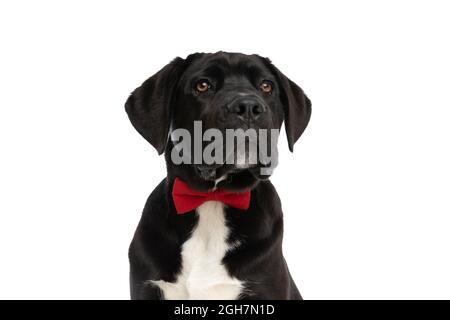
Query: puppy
[212, 229]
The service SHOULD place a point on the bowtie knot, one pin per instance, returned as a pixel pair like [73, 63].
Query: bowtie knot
[187, 199]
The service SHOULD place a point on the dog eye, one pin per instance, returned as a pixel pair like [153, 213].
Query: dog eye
[266, 86]
[202, 86]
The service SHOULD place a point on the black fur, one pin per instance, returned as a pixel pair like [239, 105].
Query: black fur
[168, 100]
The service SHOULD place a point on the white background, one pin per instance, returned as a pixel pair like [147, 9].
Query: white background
[365, 195]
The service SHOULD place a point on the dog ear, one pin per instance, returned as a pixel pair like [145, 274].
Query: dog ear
[149, 106]
[296, 106]
[297, 111]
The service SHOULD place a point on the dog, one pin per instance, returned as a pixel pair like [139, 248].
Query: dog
[213, 250]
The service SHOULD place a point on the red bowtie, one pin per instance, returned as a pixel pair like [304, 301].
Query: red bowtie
[187, 199]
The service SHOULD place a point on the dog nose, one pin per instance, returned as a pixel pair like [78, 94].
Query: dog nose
[247, 108]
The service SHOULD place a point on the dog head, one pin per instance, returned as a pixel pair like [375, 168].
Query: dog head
[220, 91]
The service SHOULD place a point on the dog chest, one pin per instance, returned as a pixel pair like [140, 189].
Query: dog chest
[203, 275]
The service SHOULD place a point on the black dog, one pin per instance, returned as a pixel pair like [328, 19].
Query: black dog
[215, 251]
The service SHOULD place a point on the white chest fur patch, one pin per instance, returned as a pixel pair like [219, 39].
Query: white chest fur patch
[203, 276]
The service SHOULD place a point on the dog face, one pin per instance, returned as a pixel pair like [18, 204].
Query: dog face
[223, 91]
[228, 91]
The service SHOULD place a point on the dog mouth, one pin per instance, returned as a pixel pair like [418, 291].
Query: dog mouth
[217, 153]
[240, 158]
[208, 172]
[216, 171]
